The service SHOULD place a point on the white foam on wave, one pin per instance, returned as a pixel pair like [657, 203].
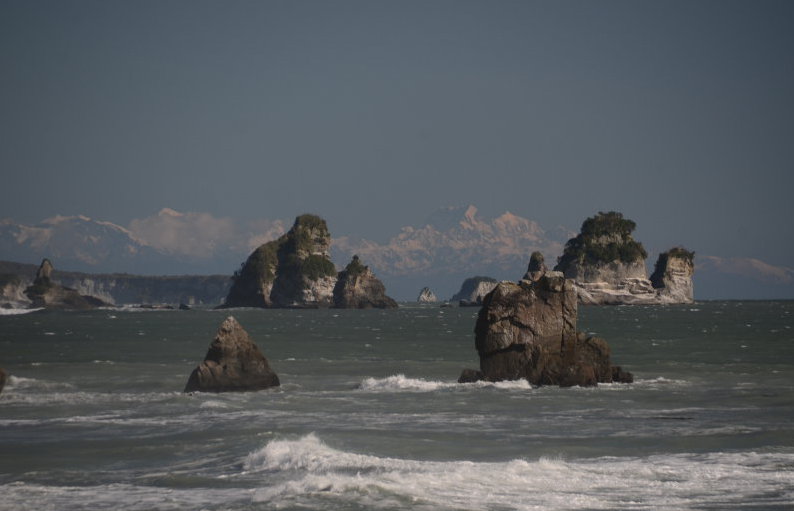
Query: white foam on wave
[401, 383]
[309, 473]
[15, 312]
[22, 384]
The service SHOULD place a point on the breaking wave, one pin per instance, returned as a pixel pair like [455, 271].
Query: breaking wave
[307, 472]
[400, 382]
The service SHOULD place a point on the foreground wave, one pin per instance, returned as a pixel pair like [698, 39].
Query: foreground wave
[317, 474]
[306, 473]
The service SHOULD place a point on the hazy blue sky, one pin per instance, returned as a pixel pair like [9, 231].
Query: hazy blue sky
[373, 114]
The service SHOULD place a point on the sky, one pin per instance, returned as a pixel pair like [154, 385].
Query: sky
[373, 114]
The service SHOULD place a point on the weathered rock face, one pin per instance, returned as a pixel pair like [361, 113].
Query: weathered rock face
[426, 296]
[608, 266]
[528, 331]
[473, 290]
[233, 363]
[45, 293]
[292, 271]
[672, 276]
[358, 288]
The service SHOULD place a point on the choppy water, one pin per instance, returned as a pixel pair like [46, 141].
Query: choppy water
[369, 415]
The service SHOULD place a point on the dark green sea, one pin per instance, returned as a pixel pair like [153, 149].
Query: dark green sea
[369, 414]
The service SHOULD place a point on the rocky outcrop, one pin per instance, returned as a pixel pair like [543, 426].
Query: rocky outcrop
[3, 378]
[293, 271]
[358, 288]
[118, 288]
[473, 290]
[607, 266]
[528, 331]
[672, 275]
[47, 294]
[233, 363]
[537, 267]
[426, 296]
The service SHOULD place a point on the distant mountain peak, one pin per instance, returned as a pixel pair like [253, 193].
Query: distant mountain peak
[455, 239]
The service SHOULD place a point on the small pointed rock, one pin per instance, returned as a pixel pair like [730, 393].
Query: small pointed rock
[233, 363]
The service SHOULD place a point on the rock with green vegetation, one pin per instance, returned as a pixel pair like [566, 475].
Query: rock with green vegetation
[44, 293]
[473, 290]
[607, 266]
[528, 331]
[233, 363]
[294, 270]
[672, 275]
[604, 251]
[358, 288]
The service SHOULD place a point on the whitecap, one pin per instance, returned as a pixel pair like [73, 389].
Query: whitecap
[400, 383]
[19, 383]
[15, 312]
[306, 472]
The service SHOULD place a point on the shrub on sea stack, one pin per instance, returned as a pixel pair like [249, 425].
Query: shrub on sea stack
[233, 363]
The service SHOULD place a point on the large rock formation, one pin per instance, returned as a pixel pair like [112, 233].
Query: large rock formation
[293, 271]
[607, 266]
[426, 296]
[358, 288]
[296, 271]
[473, 290]
[3, 378]
[233, 363]
[528, 331]
[45, 293]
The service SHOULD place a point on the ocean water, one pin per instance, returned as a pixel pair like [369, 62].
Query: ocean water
[369, 415]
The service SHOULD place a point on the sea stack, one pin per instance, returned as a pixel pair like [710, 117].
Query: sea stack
[528, 331]
[672, 275]
[233, 363]
[358, 288]
[536, 268]
[296, 271]
[426, 296]
[607, 266]
[47, 294]
[293, 271]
